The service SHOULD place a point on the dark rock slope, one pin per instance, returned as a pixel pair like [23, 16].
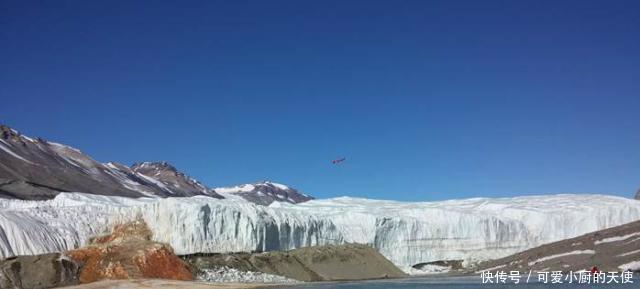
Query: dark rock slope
[320, 263]
[613, 249]
[171, 179]
[39, 169]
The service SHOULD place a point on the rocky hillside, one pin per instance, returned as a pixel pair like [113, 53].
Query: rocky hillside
[613, 249]
[39, 169]
[171, 179]
[36, 169]
[638, 195]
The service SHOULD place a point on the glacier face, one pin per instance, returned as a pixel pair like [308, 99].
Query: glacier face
[406, 233]
[472, 229]
[189, 225]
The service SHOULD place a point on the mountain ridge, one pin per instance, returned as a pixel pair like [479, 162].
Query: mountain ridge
[37, 169]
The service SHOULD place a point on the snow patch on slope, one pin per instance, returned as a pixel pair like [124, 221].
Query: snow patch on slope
[236, 189]
[631, 266]
[279, 186]
[577, 252]
[629, 253]
[616, 239]
[4, 146]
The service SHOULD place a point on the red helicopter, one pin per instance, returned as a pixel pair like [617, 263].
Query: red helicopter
[337, 161]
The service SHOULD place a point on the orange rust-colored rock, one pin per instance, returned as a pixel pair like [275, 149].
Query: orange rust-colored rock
[132, 231]
[127, 253]
[163, 264]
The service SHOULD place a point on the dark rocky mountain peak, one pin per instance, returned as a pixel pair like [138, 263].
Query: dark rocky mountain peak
[172, 178]
[266, 192]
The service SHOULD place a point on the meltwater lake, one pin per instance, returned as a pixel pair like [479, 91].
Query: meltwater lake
[453, 282]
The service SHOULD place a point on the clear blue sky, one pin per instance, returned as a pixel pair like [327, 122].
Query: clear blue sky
[427, 100]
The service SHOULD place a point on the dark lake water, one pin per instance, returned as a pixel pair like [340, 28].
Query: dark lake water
[453, 282]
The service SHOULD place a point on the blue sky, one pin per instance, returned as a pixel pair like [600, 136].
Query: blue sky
[427, 100]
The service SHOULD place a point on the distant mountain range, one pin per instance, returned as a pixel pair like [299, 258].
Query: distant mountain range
[36, 169]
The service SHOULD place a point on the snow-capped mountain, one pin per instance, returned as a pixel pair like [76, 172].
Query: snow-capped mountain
[36, 169]
[406, 233]
[265, 193]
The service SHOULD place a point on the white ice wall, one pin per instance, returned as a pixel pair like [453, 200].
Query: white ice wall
[471, 229]
[406, 233]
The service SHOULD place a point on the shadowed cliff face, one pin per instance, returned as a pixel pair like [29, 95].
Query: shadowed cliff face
[638, 195]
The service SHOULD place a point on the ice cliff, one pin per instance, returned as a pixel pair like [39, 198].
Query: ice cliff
[406, 233]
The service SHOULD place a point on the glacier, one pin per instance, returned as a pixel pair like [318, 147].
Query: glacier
[406, 233]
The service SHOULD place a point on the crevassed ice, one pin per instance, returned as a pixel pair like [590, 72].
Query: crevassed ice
[406, 233]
